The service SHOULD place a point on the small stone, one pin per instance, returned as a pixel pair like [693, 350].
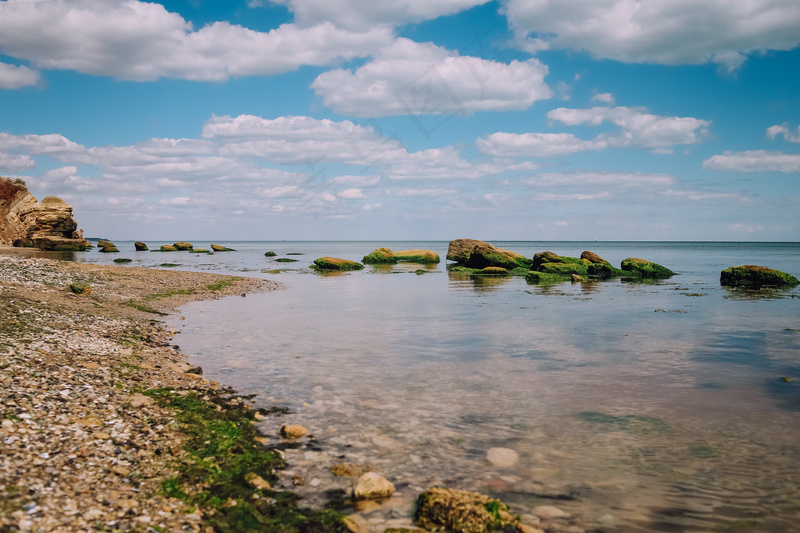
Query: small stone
[8, 423]
[140, 400]
[372, 486]
[91, 365]
[293, 431]
[349, 470]
[89, 421]
[525, 528]
[548, 512]
[502, 457]
[121, 470]
[257, 481]
[100, 435]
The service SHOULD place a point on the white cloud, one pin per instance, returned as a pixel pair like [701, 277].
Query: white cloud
[142, 41]
[446, 163]
[372, 207]
[639, 128]
[409, 78]
[16, 77]
[358, 181]
[580, 197]
[351, 194]
[604, 179]
[774, 131]
[15, 162]
[754, 161]
[503, 144]
[606, 98]
[423, 192]
[658, 31]
[356, 14]
[50, 144]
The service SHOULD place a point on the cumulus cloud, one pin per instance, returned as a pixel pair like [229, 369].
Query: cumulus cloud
[783, 129]
[141, 41]
[351, 194]
[669, 32]
[754, 161]
[638, 128]
[15, 162]
[503, 144]
[16, 77]
[356, 14]
[50, 144]
[410, 78]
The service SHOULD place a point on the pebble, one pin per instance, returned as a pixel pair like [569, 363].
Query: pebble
[372, 486]
[502, 457]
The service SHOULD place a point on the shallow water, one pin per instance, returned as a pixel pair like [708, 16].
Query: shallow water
[633, 407]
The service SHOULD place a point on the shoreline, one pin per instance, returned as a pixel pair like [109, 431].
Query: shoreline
[84, 446]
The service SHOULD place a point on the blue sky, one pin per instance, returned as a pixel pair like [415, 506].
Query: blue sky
[411, 119]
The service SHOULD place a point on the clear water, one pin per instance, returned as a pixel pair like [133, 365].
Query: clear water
[633, 407]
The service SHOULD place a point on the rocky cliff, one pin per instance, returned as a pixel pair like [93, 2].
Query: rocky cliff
[48, 224]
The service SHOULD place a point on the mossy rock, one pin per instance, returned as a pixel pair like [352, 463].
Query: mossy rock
[545, 278]
[121, 260]
[645, 269]
[756, 277]
[605, 271]
[593, 257]
[494, 271]
[286, 260]
[381, 256]
[109, 249]
[80, 288]
[140, 246]
[270, 254]
[460, 510]
[545, 257]
[418, 256]
[104, 244]
[168, 248]
[479, 254]
[201, 251]
[219, 248]
[334, 263]
[565, 269]
[183, 246]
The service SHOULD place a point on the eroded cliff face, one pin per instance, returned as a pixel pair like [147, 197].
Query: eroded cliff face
[48, 224]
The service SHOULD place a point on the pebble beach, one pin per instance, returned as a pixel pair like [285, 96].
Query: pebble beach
[80, 448]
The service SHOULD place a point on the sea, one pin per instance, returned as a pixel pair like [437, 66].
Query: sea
[671, 405]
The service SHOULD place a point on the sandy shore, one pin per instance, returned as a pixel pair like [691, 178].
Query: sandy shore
[81, 449]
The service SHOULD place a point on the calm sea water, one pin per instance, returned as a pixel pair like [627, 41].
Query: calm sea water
[633, 407]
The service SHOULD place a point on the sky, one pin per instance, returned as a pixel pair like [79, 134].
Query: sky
[409, 119]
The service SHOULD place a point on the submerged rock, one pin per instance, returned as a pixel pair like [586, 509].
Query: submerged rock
[335, 264]
[462, 511]
[479, 254]
[270, 254]
[645, 269]
[502, 457]
[372, 486]
[756, 277]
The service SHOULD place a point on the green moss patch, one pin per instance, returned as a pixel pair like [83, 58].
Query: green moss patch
[167, 248]
[286, 260]
[223, 458]
[459, 510]
[122, 260]
[645, 269]
[381, 256]
[220, 248]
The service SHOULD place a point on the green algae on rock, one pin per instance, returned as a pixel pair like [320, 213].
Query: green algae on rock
[385, 256]
[645, 269]
[122, 260]
[460, 510]
[336, 264]
[479, 254]
[270, 254]
[756, 277]
[183, 246]
[220, 248]
[168, 248]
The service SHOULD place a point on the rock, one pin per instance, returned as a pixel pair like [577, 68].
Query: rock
[336, 264]
[381, 256]
[140, 246]
[460, 510]
[545, 257]
[578, 279]
[349, 470]
[525, 528]
[80, 288]
[494, 271]
[592, 257]
[645, 269]
[423, 257]
[257, 481]
[355, 523]
[270, 254]
[168, 248]
[293, 431]
[183, 246]
[372, 486]
[479, 254]
[220, 248]
[548, 512]
[122, 260]
[756, 277]
[502, 457]
[48, 224]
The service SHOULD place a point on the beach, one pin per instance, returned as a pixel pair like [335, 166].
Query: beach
[82, 448]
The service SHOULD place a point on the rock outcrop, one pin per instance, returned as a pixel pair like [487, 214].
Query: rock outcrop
[385, 256]
[756, 277]
[479, 254]
[335, 264]
[48, 224]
